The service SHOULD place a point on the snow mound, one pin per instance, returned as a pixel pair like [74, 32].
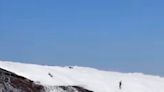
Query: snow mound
[90, 78]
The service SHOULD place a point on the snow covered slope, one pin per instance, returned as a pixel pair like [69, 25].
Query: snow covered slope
[89, 78]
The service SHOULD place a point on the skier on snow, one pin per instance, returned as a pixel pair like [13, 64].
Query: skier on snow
[120, 85]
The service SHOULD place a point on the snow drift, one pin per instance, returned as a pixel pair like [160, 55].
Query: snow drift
[53, 77]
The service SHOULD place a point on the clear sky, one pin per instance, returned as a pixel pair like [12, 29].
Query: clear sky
[119, 35]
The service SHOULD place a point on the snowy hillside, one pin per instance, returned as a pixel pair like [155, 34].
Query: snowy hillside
[89, 78]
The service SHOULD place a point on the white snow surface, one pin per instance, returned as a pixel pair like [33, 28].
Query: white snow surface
[89, 78]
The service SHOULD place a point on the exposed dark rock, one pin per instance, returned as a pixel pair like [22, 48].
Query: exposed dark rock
[66, 89]
[80, 89]
[11, 82]
[77, 88]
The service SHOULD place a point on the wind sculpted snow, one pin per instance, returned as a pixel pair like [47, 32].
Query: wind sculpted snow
[88, 78]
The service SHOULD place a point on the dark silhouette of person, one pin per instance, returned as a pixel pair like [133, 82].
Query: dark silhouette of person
[120, 85]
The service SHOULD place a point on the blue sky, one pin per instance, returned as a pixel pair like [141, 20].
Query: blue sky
[119, 35]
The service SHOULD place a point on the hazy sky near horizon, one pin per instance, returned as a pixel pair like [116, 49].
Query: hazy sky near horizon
[120, 35]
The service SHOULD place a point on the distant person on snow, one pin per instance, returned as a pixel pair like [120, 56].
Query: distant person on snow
[120, 85]
[50, 75]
